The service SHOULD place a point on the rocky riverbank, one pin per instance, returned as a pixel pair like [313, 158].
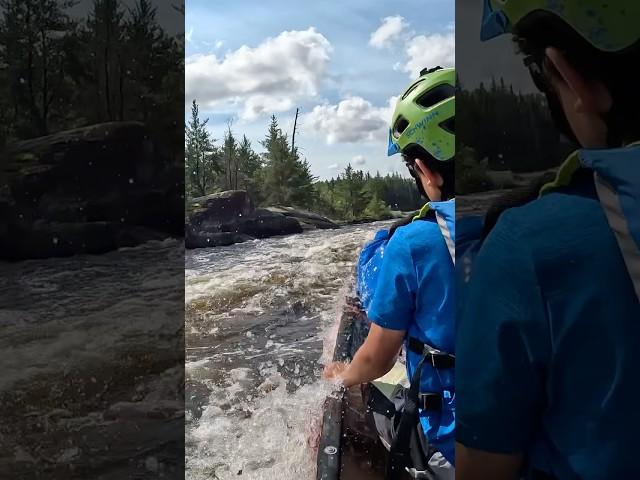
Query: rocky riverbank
[88, 190]
[225, 218]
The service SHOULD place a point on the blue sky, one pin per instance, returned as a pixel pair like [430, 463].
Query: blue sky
[341, 63]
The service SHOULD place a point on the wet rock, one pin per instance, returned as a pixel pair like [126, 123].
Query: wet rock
[222, 206]
[225, 218]
[308, 220]
[195, 239]
[263, 224]
[94, 189]
[58, 239]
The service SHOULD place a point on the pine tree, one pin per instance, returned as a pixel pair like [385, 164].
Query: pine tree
[249, 166]
[230, 156]
[287, 179]
[106, 27]
[352, 188]
[145, 56]
[201, 158]
[377, 209]
[33, 36]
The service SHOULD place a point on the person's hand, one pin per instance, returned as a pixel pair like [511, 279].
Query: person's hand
[334, 370]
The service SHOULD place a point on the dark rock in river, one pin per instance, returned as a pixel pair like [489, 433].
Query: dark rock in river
[229, 217]
[88, 190]
[308, 220]
[220, 239]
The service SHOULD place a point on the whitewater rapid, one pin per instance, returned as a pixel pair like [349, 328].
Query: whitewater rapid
[260, 321]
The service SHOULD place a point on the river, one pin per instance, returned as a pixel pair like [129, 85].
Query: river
[91, 360]
[260, 321]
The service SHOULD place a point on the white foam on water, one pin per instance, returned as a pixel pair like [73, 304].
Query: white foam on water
[274, 442]
[43, 334]
[250, 423]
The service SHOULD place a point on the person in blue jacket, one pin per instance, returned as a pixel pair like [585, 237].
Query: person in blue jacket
[413, 303]
[547, 370]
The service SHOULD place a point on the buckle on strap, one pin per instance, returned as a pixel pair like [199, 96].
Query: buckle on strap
[430, 401]
[435, 357]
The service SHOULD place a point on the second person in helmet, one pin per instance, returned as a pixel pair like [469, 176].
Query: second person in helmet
[413, 302]
[547, 341]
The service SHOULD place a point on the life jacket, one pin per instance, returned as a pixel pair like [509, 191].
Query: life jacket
[616, 175]
[468, 242]
[369, 265]
[370, 262]
[443, 363]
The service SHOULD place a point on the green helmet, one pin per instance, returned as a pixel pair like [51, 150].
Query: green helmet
[608, 25]
[424, 115]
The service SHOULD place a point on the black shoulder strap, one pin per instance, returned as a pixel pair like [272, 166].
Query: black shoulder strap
[513, 198]
[400, 223]
[399, 456]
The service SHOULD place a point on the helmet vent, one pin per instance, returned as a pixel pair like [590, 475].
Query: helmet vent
[449, 125]
[436, 95]
[411, 88]
[400, 126]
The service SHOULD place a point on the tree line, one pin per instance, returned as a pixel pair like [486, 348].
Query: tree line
[513, 131]
[280, 176]
[498, 129]
[58, 71]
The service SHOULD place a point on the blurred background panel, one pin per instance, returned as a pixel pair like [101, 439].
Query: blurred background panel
[91, 249]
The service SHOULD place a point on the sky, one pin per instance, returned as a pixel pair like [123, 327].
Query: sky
[341, 63]
[481, 61]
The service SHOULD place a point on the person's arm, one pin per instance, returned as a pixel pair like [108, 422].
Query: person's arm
[472, 464]
[391, 313]
[373, 359]
[502, 350]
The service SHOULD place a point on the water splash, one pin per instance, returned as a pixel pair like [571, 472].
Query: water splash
[261, 319]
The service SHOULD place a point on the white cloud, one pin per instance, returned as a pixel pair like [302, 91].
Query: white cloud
[353, 119]
[219, 44]
[189, 35]
[333, 166]
[388, 31]
[256, 105]
[429, 51]
[268, 78]
[359, 160]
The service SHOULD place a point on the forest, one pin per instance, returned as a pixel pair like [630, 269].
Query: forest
[280, 176]
[61, 70]
[499, 130]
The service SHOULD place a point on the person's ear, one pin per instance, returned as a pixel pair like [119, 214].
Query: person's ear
[591, 96]
[433, 178]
